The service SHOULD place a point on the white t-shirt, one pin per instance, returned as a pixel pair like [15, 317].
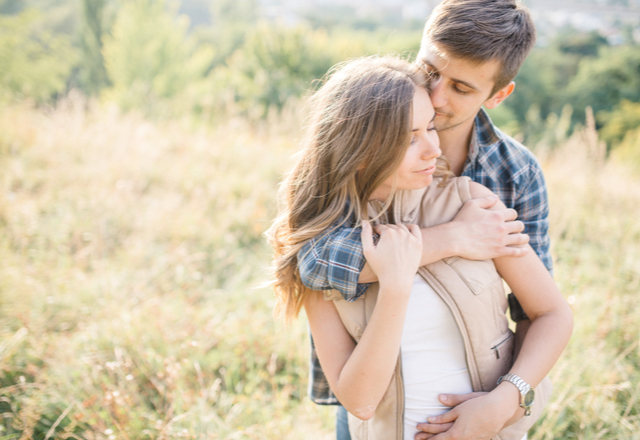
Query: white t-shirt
[433, 357]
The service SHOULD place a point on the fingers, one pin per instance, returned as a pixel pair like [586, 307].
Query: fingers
[457, 399]
[430, 429]
[366, 236]
[510, 215]
[514, 227]
[514, 251]
[380, 229]
[516, 240]
[448, 417]
[415, 231]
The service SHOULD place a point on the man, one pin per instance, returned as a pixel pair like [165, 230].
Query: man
[473, 50]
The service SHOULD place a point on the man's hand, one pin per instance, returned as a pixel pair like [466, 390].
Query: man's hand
[431, 429]
[475, 416]
[480, 231]
[485, 232]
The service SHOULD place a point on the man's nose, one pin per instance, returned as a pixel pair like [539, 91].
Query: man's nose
[437, 94]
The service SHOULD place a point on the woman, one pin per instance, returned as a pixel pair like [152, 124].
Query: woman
[371, 153]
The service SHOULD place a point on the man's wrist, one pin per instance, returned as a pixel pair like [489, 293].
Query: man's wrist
[439, 242]
[509, 397]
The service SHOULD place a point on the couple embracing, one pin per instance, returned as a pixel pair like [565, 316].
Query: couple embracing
[397, 228]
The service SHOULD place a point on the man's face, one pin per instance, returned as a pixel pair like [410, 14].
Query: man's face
[458, 87]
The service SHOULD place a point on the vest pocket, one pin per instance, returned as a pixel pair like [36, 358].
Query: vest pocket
[502, 353]
[478, 276]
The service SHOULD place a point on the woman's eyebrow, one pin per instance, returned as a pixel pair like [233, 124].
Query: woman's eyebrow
[432, 119]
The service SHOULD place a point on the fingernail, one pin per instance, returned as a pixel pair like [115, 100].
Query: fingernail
[443, 397]
[431, 419]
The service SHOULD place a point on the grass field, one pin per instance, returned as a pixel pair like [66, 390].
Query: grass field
[131, 260]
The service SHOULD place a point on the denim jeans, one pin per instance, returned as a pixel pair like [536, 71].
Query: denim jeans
[342, 424]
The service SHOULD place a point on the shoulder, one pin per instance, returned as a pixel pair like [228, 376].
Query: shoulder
[437, 204]
[447, 188]
[478, 190]
[517, 159]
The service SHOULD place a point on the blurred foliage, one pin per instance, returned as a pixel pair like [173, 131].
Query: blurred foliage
[619, 122]
[149, 56]
[237, 58]
[548, 71]
[628, 151]
[604, 81]
[34, 63]
[92, 75]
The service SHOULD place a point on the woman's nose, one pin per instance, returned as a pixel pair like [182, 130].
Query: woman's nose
[431, 146]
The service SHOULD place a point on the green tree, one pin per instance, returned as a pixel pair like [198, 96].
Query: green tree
[93, 75]
[231, 20]
[274, 64]
[604, 81]
[34, 63]
[149, 57]
[618, 122]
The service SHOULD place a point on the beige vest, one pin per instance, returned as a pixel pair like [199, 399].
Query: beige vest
[473, 291]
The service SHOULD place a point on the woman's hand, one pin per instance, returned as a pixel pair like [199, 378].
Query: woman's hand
[396, 257]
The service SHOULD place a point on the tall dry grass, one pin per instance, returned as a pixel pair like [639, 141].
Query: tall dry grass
[130, 254]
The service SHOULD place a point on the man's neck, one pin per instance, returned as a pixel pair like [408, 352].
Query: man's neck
[454, 143]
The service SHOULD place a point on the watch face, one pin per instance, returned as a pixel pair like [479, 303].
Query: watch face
[528, 398]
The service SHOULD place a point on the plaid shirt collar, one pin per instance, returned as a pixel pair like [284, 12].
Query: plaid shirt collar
[485, 139]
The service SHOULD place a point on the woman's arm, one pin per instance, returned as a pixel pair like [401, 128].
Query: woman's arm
[548, 335]
[359, 374]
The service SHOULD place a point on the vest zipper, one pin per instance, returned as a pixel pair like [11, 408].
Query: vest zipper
[496, 348]
[472, 366]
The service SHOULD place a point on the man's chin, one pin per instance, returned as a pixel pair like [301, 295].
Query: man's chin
[444, 126]
[443, 123]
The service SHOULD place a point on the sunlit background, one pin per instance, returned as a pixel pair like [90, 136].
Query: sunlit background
[141, 144]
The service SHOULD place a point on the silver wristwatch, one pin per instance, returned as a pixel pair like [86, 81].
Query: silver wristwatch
[527, 394]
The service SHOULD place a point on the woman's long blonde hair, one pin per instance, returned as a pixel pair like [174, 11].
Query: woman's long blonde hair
[359, 130]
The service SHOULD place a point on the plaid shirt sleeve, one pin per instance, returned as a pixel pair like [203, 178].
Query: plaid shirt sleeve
[532, 205]
[334, 261]
[331, 261]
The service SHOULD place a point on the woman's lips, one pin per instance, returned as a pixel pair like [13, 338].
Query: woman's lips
[429, 170]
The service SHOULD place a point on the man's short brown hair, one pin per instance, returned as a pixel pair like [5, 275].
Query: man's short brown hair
[481, 31]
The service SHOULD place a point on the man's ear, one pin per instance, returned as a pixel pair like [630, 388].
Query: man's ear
[500, 95]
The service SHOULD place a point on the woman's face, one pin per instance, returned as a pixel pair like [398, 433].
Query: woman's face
[419, 163]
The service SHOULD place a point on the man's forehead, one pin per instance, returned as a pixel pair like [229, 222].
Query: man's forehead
[468, 70]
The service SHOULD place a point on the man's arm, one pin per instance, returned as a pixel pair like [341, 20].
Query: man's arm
[476, 233]
[541, 296]
[533, 208]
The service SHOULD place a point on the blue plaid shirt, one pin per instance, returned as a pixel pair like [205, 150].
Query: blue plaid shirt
[335, 260]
